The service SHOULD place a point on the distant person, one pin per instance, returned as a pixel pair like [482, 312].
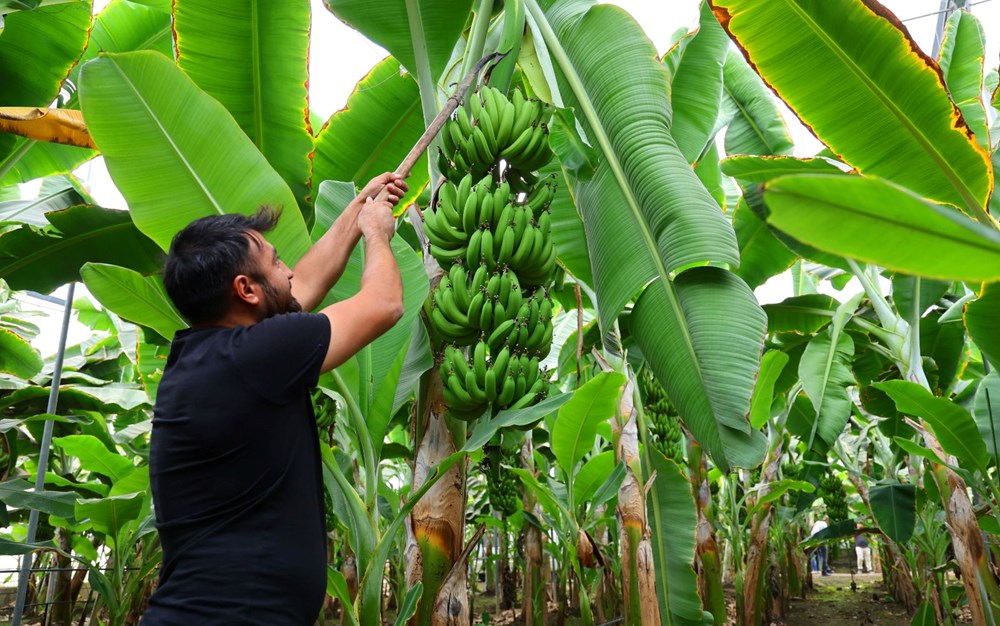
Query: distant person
[234, 461]
[864, 552]
[820, 555]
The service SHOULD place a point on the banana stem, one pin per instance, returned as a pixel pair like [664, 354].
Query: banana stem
[438, 121]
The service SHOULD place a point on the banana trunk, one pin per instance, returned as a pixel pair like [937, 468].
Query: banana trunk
[638, 572]
[753, 583]
[978, 579]
[706, 548]
[437, 521]
[533, 607]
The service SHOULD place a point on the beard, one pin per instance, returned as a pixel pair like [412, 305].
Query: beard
[278, 301]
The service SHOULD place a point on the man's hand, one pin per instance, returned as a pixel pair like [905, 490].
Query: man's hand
[322, 266]
[394, 183]
[376, 220]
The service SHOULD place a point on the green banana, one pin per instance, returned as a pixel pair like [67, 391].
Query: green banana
[472, 254]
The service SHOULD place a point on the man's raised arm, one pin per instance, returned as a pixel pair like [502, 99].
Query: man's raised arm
[320, 268]
[359, 320]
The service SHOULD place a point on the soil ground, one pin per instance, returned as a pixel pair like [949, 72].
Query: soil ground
[833, 603]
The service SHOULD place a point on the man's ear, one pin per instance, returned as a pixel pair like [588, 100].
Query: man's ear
[246, 289]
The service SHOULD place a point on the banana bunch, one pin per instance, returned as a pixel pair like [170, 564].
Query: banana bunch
[488, 128]
[490, 229]
[501, 380]
[462, 210]
[664, 425]
[831, 489]
[325, 410]
[501, 483]
[492, 307]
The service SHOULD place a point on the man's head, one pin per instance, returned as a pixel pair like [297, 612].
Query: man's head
[221, 262]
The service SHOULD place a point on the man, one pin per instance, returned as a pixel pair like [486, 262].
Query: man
[863, 551]
[820, 554]
[235, 466]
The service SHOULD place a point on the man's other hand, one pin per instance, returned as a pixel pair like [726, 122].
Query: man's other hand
[376, 220]
[393, 183]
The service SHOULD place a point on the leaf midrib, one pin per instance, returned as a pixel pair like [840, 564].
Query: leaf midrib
[170, 141]
[888, 220]
[156, 305]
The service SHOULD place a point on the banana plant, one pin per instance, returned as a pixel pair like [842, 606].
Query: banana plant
[921, 155]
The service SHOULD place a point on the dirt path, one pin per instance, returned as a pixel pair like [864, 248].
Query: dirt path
[833, 603]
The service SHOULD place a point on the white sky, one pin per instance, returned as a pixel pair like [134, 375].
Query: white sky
[340, 57]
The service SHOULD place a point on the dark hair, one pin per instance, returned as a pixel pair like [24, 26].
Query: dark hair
[206, 256]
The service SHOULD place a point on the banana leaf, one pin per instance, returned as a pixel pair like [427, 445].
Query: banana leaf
[865, 88]
[749, 107]
[645, 198]
[42, 260]
[696, 87]
[961, 57]
[374, 132]
[875, 221]
[37, 50]
[420, 33]
[252, 57]
[170, 170]
[134, 297]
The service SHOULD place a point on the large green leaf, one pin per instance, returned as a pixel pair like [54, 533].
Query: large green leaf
[513, 418]
[576, 425]
[925, 615]
[696, 87]
[374, 132]
[108, 515]
[568, 231]
[20, 494]
[760, 169]
[763, 394]
[961, 57]
[895, 509]
[877, 222]
[800, 314]
[865, 88]
[706, 362]
[252, 57]
[420, 33]
[134, 297]
[645, 198]
[592, 473]
[37, 50]
[17, 357]
[825, 371]
[762, 255]
[987, 412]
[43, 260]
[94, 456]
[167, 166]
[755, 123]
[982, 319]
[121, 26]
[673, 519]
[33, 211]
[951, 424]
[945, 344]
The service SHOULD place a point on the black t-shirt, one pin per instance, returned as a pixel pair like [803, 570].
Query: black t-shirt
[236, 476]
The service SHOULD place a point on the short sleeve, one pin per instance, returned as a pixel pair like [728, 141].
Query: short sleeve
[282, 354]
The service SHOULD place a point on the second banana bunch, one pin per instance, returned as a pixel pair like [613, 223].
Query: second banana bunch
[490, 228]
